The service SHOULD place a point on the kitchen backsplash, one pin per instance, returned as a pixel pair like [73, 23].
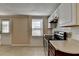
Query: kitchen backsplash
[62, 29]
[73, 32]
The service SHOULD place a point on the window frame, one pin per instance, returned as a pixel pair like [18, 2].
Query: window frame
[41, 27]
[1, 25]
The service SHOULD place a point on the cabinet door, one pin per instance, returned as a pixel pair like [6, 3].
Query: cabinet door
[64, 14]
[55, 13]
[51, 50]
[68, 14]
[74, 14]
[61, 15]
[77, 13]
[52, 17]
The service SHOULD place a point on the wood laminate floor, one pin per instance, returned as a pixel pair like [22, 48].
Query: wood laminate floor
[21, 51]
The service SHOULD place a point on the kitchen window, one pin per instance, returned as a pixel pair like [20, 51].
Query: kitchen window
[36, 27]
[5, 25]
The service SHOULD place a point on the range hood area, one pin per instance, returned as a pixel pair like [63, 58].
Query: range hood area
[55, 20]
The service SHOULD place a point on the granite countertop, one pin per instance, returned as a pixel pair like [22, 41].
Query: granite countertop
[67, 46]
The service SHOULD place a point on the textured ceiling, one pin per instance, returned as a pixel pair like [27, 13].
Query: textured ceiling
[41, 9]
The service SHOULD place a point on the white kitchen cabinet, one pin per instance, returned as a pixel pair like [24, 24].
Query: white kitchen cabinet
[77, 13]
[52, 17]
[68, 14]
[74, 15]
[64, 13]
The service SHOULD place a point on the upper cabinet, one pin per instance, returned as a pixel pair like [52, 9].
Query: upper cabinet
[68, 14]
[74, 16]
[52, 17]
[77, 13]
[64, 14]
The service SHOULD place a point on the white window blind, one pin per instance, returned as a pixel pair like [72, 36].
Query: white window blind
[5, 26]
[36, 27]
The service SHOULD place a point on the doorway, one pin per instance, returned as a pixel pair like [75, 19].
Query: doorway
[5, 33]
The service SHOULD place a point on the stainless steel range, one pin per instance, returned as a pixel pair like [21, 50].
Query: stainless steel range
[60, 35]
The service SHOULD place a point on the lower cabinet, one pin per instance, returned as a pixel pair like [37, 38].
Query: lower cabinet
[53, 52]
